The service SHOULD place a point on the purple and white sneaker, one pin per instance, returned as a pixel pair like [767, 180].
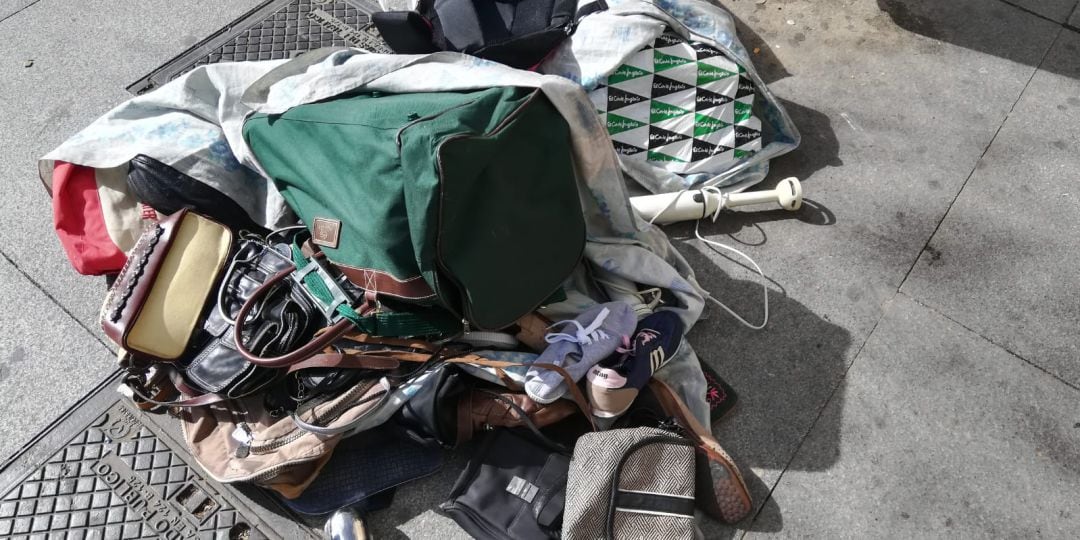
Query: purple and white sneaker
[615, 382]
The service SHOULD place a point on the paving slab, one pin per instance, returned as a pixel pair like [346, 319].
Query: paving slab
[47, 361]
[10, 7]
[949, 22]
[84, 55]
[893, 122]
[943, 434]
[1004, 262]
[1056, 10]
[1074, 19]
[412, 514]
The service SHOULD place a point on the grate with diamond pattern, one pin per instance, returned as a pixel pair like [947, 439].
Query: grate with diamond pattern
[106, 471]
[276, 30]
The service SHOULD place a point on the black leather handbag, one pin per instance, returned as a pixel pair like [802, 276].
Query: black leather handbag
[282, 320]
[432, 413]
[168, 190]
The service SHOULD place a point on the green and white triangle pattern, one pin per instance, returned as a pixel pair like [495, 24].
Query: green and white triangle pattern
[680, 105]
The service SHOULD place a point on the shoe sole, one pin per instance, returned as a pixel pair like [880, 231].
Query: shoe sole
[733, 502]
[608, 414]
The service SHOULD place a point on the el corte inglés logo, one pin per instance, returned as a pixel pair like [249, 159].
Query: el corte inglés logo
[714, 100]
[658, 137]
[669, 86]
[622, 124]
[622, 98]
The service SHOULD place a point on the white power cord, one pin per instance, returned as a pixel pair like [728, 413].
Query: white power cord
[722, 199]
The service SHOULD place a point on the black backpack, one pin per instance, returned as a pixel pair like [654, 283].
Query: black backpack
[517, 33]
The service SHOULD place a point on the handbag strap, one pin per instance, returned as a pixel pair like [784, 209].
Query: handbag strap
[166, 383]
[707, 447]
[377, 323]
[348, 361]
[328, 430]
[388, 359]
[525, 419]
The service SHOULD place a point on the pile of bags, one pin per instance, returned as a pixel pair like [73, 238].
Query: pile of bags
[333, 268]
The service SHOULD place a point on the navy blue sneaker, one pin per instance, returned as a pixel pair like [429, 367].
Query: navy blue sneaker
[615, 381]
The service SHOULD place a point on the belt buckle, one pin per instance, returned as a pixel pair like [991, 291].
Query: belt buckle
[338, 295]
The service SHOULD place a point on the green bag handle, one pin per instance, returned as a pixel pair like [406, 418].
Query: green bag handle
[335, 304]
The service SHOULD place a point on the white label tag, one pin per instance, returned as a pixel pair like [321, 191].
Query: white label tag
[522, 488]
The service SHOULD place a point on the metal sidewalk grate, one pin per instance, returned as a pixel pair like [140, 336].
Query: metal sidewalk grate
[275, 30]
[108, 471]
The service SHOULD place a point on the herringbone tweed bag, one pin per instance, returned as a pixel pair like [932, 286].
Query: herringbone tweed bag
[630, 483]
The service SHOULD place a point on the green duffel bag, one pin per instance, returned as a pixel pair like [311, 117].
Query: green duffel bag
[464, 200]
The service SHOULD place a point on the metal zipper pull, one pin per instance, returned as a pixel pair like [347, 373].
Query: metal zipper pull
[672, 425]
[242, 435]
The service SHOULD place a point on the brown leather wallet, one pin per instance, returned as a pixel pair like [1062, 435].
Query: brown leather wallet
[159, 299]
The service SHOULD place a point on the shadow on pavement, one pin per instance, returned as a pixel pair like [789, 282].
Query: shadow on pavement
[955, 23]
[783, 376]
[819, 147]
[768, 66]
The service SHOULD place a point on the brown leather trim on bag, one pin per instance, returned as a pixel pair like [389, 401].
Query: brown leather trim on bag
[509, 409]
[531, 329]
[117, 330]
[395, 342]
[465, 427]
[168, 389]
[309, 349]
[730, 509]
[414, 288]
[149, 393]
[347, 361]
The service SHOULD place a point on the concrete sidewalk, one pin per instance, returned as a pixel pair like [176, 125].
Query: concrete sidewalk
[920, 375]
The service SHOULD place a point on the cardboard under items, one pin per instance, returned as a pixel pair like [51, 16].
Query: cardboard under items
[372, 371]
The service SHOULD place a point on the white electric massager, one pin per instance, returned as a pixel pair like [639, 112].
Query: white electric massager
[701, 203]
